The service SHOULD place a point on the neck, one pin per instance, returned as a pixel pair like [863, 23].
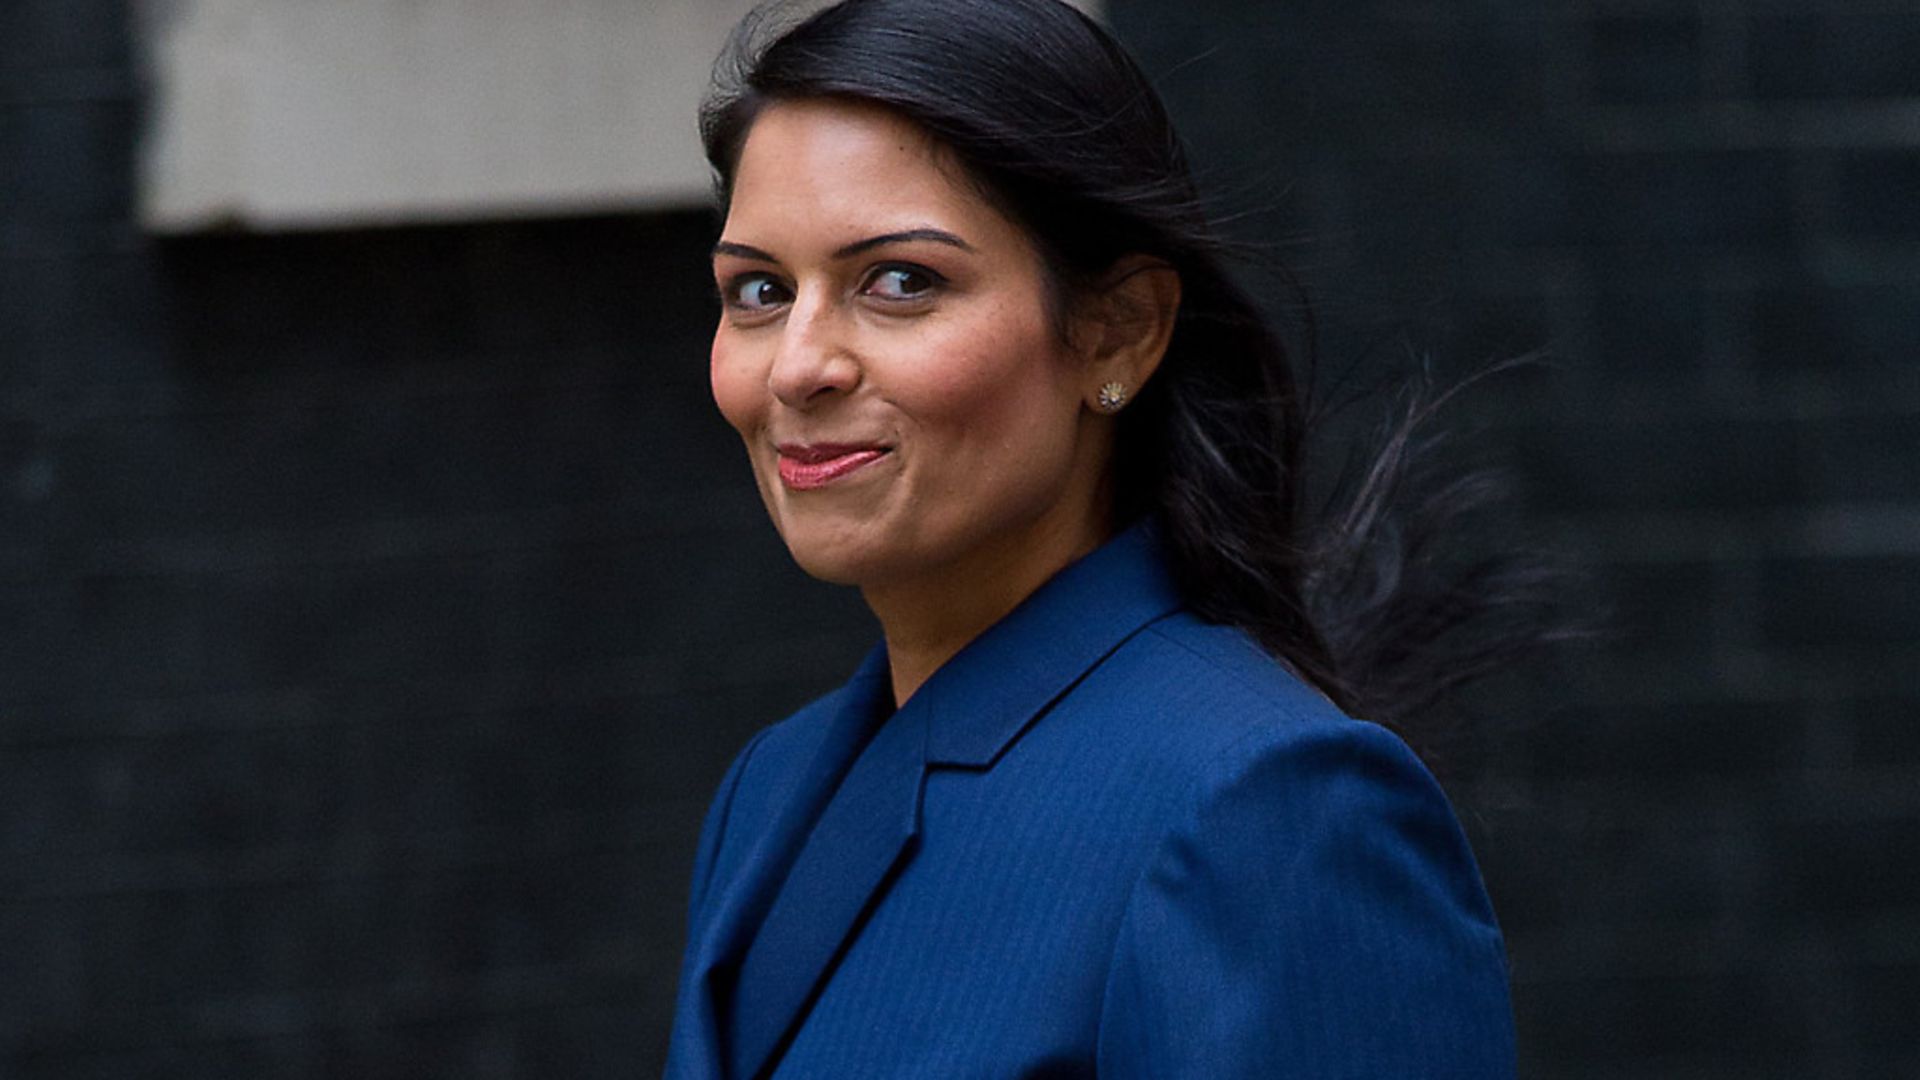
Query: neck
[926, 622]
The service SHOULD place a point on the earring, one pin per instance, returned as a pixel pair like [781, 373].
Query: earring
[1113, 397]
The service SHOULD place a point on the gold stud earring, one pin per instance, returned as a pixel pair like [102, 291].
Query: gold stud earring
[1113, 397]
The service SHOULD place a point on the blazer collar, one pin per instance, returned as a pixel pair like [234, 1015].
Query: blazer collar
[853, 823]
[854, 712]
[856, 846]
[982, 699]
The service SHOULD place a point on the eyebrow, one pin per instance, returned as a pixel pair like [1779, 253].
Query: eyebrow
[858, 247]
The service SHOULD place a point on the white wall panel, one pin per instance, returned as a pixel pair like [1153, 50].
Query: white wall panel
[313, 113]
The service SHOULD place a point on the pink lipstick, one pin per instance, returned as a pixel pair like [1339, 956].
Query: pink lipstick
[805, 468]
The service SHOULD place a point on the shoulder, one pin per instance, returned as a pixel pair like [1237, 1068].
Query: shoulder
[1216, 743]
[760, 777]
[1212, 704]
[774, 758]
[1309, 867]
[1256, 740]
[1216, 672]
[763, 777]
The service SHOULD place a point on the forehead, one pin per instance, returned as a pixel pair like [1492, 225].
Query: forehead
[850, 169]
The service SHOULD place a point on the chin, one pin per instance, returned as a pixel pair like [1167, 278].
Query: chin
[830, 555]
[829, 567]
[860, 557]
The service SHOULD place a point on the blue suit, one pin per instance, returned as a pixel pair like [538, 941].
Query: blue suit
[1105, 839]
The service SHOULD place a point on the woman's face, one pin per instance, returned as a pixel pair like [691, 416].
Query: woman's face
[887, 353]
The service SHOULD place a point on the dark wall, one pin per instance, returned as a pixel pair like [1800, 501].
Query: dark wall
[1703, 837]
[378, 609]
[377, 613]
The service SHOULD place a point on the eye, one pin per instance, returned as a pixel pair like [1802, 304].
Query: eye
[756, 293]
[902, 282]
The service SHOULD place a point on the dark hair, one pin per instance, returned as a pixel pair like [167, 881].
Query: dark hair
[1062, 131]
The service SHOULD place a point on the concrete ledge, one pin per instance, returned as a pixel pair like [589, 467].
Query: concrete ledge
[287, 114]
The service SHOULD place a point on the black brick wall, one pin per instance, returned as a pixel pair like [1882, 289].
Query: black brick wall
[1702, 837]
[378, 609]
[377, 612]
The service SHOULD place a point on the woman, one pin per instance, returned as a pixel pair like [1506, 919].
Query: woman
[1093, 807]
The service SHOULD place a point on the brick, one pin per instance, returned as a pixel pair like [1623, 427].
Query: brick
[43, 951]
[1681, 465]
[42, 641]
[1672, 746]
[75, 323]
[1752, 1024]
[49, 35]
[1659, 607]
[560, 614]
[1883, 731]
[534, 912]
[72, 162]
[112, 326]
[182, 966]
[14, 163]
[1817, 327]
[1833, 604]
[1823, 870]
[292, 455]
[28, 478]
[1437, 204]
[1885, 988]
[377, 775]
[408, 618]
[473, 775]
[31, 304]
[386, 620]
[475, 1046]
[1878, 194]
[140, 957]
[1440, 69]
[1484, 330]
[1644, 210]
[1315, 69]
[1865, 458]
[1551, 867]
[1835, 54]
[133, 633]
[1660, 329]
[276, 1059]
[1652, 201]
[1644, 60]
[205, 794]
[596, 1041]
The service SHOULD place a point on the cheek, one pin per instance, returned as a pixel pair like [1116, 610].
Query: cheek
[1015, 387]
[736, 391]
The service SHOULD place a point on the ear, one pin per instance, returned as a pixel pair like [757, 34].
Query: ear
[1128, 327]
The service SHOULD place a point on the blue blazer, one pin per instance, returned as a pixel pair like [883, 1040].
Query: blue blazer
[1106, 839]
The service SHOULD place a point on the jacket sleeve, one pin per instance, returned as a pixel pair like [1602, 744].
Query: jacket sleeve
[1312, 912]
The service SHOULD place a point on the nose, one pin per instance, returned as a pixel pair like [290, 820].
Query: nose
[814, 363]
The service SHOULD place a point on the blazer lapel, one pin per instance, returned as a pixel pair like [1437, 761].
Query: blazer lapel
[853, 852]
[741, 907]
[989, 694]
[849, 830]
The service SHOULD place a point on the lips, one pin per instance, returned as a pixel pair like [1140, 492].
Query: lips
[806, 467]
